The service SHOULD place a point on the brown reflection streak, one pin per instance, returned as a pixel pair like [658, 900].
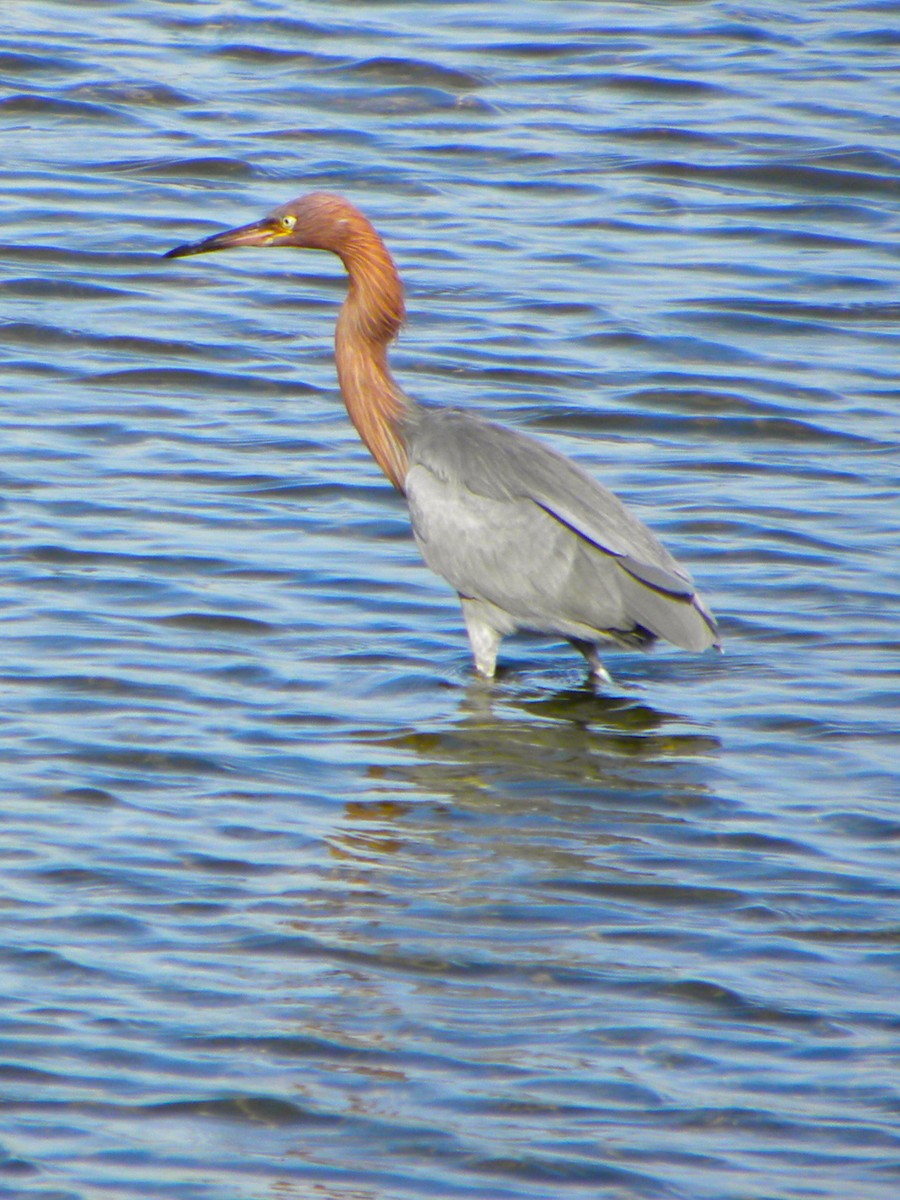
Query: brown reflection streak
[553, 756]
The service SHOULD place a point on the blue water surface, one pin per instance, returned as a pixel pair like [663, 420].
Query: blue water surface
[293, 906]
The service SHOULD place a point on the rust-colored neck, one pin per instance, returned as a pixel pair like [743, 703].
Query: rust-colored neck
[369, 321]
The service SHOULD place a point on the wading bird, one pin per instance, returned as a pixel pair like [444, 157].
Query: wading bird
[528, 539]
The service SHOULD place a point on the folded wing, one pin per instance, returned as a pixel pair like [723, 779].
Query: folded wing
[508, 520]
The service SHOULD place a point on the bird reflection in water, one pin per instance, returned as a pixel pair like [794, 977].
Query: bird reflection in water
[527, 767]
[528, 540]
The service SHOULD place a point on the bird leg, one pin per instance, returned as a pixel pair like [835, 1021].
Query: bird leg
[483, 638]
[599, 673]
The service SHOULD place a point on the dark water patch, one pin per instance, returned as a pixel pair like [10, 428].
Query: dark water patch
[31, 104]
[766, 427]
[99, 687]
[823, 212]
[141, 761]
[258, 485]
[19, 1168]
[240, 867]
[413, 72]
[195, 381]
[464, 150]
[864, 159]
[560, 49]
[50, 963]
[545, 186]
[28, 333]
[689, 349]
[21, 63]
[218, 623]
[877, 38]
[99, 925]
[665, 135]
[780, 237]
[148, 94]
[203, 167]
[781, 177]
[867, 827]
[60, 289]
[394, 101]
[299, 135]
[737, 1007]
[785, 430]
[713, 28]
[814, 316]
[663, 87]
[38, 253]
[866, 936]
[109, 433]
[657, 894]
[86, 795]
[765, 325]
[288, 26]
[267, 58]
[64, 555]
[691, 400]
[558, 1171]
[738, 31]
[387, 959]
[270, 1111]
[123, 878]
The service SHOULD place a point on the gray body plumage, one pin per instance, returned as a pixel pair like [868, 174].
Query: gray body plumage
[530, 541]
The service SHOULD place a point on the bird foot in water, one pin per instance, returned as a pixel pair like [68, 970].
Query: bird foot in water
[598, 673]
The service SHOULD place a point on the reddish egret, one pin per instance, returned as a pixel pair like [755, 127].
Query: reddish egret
[527, 538]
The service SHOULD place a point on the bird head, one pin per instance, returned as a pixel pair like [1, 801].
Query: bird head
[318, 221]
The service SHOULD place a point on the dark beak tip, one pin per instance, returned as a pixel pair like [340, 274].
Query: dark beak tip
[182, 251]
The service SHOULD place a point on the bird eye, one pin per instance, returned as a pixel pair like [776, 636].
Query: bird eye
[288, 222]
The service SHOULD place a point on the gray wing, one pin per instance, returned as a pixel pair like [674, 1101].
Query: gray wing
[507, 519]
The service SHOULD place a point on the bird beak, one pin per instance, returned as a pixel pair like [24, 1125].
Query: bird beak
[260, 233]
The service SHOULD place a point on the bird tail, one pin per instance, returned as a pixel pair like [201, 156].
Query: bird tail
[683, 620]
